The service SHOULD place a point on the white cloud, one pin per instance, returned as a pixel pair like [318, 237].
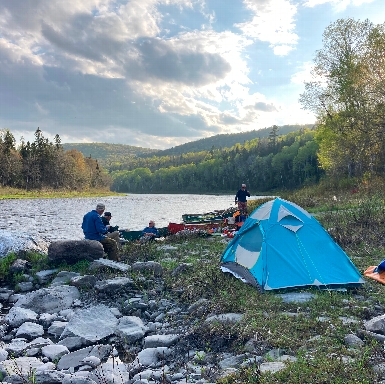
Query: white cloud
[272, 22]
[304, 74]
[338, 5]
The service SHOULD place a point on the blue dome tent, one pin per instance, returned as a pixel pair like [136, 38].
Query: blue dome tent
[281, 245]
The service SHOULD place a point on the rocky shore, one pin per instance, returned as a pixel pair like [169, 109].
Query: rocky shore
[119, 323]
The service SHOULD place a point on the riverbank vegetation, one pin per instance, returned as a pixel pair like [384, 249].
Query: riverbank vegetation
[43, 165]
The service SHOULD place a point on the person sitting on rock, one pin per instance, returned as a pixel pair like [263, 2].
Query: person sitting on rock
[113, 232]
[150, 232]
[94, 229]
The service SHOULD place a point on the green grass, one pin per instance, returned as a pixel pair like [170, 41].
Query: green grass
[14, 193]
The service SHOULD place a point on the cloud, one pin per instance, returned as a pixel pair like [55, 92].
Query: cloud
[141, 72]
[338, 5]
[304, 74]
[272, 22]
[169, 63]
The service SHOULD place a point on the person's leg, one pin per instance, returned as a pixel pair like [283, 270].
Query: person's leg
[115, 236]
[111, 248]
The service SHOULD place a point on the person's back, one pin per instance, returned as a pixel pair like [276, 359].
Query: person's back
[93, 227]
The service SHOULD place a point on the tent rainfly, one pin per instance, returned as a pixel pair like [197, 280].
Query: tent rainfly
[280, 245]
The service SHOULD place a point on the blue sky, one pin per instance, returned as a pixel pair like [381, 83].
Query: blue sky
[159, 73]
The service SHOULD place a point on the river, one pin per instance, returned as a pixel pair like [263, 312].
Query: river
[59, 219]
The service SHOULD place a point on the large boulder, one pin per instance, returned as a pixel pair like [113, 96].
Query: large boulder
[17, 242]
[72, 251]
[49, 300]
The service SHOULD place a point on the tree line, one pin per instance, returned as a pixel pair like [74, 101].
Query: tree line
[44, 164]
[265, 164]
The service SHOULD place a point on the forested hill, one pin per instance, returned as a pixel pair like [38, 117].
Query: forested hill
[225, 140]
[107, 152]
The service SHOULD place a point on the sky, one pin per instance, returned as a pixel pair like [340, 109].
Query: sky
[160, 73]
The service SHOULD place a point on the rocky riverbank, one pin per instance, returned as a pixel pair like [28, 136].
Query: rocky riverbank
[126, 323]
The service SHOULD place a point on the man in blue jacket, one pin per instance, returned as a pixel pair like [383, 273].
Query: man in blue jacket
[94, 229]
[150, 232]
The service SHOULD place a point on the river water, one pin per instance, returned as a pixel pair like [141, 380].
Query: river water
[60, 219]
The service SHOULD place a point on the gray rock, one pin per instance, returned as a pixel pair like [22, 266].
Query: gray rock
[73, 359]
[31, 352]
[17, 346]
[92, 361]
[24, 286]
[160, 341]
[20, 266]
[40, 342]
[55, 351]
[49, 377]
[5, 294]
[49, 300]
[30, 330]
[3, 354]
[86, 281]
[102, 351]
[76, 359]
[150, 266]
[224, 318]
[272, 367]
[296, 297]
[72, 251]
[63, 278]
[376, 325]
[21, 365]
[106, 263]
[57, 328]
[380, 370]
[353, 341]
[19, 241]
[115, 284]
[73, 342]
[232, 361]
[46, 275]
[109, 373]
[46, 319]
[151, 357]
[194, 307]
[130, 329]
[181, 268]
[17, 316]
[75, 379]
[93, 324]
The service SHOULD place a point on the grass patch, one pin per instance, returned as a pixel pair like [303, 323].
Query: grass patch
[15, 193]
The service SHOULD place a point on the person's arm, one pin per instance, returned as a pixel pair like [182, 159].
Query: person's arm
[236, 197]
[248, 193]
[100, 227]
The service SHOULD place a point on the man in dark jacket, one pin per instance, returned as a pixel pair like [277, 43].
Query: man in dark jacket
[113, 232]
[240, 198]
[94, 229]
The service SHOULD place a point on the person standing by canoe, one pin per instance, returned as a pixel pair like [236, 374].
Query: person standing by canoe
[240, 198]
[94, 229]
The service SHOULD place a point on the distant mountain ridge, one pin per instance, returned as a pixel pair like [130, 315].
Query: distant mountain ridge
[106, 152]
[226, 140]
